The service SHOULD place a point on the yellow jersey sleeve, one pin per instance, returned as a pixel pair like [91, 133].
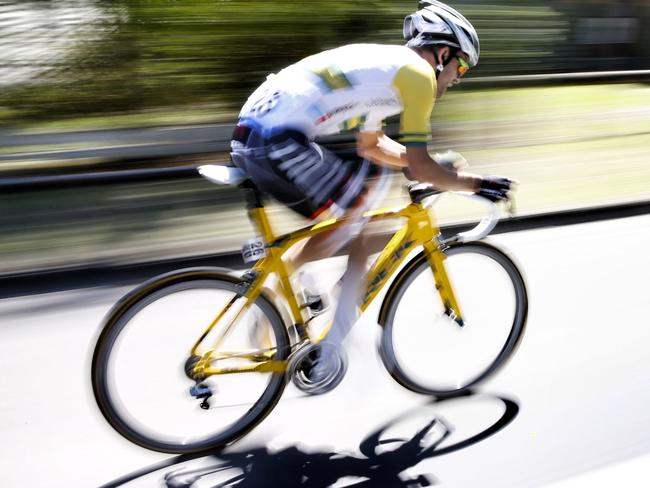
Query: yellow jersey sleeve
[416, 85]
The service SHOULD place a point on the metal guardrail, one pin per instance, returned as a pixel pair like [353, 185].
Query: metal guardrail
[32, 183]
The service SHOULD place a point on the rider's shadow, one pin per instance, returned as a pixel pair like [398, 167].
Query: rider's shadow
[385, 455]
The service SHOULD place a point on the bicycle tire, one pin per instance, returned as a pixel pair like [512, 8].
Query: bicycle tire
[405, 279]
[127, 309]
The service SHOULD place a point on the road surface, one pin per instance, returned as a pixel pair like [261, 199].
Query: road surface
[574, 400]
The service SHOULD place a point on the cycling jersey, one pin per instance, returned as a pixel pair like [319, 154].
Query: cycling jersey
[354, 86]
[351, 87]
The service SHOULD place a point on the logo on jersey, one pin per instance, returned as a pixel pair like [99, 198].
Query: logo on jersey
[381, 102]
[338, 110]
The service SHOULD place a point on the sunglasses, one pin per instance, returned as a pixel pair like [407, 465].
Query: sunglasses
[463, 66]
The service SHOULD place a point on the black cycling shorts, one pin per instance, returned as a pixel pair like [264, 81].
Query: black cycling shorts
[301, 174]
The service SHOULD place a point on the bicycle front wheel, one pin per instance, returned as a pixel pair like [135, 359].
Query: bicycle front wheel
[138, 368]
[428, 352]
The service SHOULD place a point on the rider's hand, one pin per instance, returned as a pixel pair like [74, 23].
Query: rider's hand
[495, 188]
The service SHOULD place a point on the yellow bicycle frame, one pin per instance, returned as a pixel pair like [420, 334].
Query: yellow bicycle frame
[420, 229]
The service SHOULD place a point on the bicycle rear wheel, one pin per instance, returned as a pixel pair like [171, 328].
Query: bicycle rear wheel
[138, 373]
[426, 351]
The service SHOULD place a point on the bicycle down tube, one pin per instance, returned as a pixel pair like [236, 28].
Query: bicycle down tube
[419, 230]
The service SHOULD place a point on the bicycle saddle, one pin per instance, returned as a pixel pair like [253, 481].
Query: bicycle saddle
[223, 175]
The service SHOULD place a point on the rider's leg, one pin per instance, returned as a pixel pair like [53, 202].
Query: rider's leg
[352, 287]
[352, 283]
[315, 248]
[326, 244]
[345, 316]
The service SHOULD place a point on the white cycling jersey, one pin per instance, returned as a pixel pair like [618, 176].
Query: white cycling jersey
[354, 86]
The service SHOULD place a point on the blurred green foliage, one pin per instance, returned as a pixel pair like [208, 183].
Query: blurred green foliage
[146, 54]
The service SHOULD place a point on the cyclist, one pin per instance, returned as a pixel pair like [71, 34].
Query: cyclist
[356, 87]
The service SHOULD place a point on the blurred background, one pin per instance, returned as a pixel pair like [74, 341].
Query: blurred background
[107, 106]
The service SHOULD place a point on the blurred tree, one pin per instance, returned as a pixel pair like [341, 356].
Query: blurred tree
[133, 55]
[95, 58]
[152, 53]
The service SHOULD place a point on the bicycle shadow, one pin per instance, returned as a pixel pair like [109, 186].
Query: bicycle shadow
[383, 458]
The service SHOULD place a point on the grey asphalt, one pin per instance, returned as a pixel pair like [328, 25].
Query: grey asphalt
[574, 398]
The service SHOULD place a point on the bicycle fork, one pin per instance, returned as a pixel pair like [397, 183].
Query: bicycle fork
[436, 259]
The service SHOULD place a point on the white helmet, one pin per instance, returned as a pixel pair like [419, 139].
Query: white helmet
[437, 23]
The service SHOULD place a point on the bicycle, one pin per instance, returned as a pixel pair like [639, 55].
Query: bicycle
[233, 355]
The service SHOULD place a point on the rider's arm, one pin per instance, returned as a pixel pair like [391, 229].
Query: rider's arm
[382, 150]
[422, 167]
[416, 85]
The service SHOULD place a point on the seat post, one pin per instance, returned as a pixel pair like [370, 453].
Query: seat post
[257, 212]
